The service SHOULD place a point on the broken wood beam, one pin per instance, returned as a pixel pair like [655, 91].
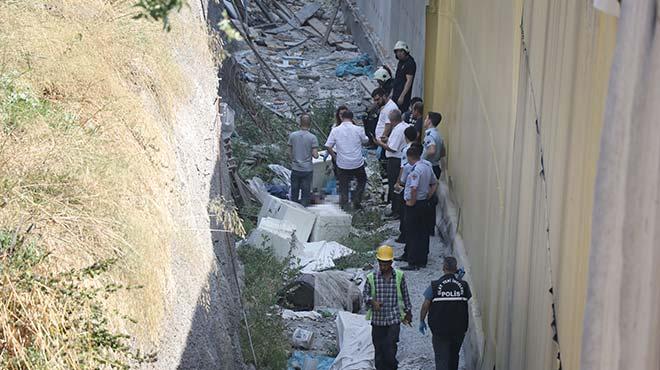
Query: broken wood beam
[332, 22]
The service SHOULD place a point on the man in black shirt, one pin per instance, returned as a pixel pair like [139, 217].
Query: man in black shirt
[404, 77]
[446, 303]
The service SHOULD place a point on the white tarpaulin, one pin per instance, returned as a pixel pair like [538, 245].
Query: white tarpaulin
[356, 350]
[318, 256]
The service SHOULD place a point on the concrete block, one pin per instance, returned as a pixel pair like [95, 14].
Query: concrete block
[276, 234]
[293, 213]
[331, 222]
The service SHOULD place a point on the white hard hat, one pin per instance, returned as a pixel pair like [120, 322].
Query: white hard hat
[382, 74]
[400, 45]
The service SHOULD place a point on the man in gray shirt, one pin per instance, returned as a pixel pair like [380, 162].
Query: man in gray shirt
[303, 145]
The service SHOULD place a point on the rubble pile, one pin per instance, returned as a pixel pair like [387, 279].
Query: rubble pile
[295, 49]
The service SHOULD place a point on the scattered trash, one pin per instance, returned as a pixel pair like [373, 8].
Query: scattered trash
[297, 315]
[322, 290]
[278, 191]
[336, 289]
[258, 188]
[299, 294]
[283, 173]
[307, 361]
[302, 338]
[356, 67]
[356, 350]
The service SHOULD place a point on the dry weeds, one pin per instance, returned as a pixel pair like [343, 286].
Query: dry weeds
[86, 160]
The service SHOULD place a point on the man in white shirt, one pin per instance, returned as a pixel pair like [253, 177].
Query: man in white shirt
[395, 144]
[386, 106]
[345, 143]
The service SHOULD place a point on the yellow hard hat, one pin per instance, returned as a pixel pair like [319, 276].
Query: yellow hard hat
[385, 253]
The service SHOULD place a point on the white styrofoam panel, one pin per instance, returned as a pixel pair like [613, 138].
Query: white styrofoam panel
[331, 224]
[294, 213]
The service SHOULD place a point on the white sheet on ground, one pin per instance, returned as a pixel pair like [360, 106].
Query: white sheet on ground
[356, 350]
[318, 256]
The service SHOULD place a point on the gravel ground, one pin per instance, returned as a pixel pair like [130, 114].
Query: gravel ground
[415, 349]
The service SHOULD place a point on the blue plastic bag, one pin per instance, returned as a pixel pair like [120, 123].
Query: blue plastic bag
[298, 359]
[357, 67]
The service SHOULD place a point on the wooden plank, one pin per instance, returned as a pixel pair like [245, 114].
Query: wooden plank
[307, 11]
[317, 25]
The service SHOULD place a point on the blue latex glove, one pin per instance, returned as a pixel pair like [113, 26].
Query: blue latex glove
[460, 273]
[422, 327]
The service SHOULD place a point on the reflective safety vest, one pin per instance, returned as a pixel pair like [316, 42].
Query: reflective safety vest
[398, 276]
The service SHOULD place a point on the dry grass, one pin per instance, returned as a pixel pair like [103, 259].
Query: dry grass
[85, 123]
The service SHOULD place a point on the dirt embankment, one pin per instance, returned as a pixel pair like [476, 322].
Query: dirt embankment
[109, 149]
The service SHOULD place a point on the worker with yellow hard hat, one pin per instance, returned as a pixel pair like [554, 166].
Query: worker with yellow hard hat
[386, 296]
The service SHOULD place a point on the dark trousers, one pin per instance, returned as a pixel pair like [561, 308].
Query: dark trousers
[447, 351]
[301, 182]
[417, 233]
[393, 168]
[386, 339]
[345, 177]
[402, 225]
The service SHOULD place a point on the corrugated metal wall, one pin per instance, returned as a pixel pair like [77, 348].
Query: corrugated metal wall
[477, 75]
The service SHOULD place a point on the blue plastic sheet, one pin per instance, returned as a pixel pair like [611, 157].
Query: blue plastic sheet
[298, 358]
[357, 67]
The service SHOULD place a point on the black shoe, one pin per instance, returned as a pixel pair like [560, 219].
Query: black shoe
[410, 268]
[392, 216]
[403, 257]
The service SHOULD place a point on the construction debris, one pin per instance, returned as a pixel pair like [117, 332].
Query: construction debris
[302, 338]
[300, 33]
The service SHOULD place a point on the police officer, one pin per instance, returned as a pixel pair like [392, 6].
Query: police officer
[445, 302]
[420, 186]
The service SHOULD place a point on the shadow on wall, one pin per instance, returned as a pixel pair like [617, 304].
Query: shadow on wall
[217, 318]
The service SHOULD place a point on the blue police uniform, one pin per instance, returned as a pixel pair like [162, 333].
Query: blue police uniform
[422, 179]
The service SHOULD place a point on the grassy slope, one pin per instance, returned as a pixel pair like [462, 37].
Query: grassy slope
[86, 108]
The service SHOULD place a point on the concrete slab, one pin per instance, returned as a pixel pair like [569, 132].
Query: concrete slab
[331, 222]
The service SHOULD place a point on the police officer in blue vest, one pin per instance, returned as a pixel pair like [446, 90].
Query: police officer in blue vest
[446, 303]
